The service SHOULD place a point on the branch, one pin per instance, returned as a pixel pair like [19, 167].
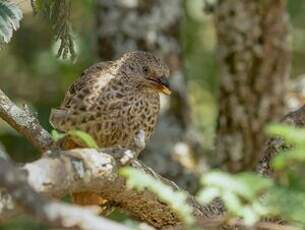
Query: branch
[274, 145]
[25, 123]
[53, 213]
[60, 173]
[89, 170]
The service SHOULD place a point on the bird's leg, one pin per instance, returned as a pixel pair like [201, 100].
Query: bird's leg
[127, 157]
[122, 155]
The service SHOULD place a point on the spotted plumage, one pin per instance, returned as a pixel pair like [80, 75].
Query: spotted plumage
[112, 101]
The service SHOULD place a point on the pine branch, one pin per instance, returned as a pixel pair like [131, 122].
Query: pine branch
[57, 12]
[10, 16]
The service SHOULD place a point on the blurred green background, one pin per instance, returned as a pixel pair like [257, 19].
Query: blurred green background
[30, 73]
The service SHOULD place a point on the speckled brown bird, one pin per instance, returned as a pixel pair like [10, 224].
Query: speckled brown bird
[113, 101]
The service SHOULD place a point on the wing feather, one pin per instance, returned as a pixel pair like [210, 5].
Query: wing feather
[82, 94]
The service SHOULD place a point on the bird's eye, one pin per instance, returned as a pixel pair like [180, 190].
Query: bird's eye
[145, 69]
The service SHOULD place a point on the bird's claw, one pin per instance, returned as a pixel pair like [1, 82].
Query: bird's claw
[127, 157]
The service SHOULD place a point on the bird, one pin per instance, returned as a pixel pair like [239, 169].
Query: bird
[112, 101]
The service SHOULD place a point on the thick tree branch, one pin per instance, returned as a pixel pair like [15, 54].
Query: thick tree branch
[89, 170]
[53, 213]
[25, 123]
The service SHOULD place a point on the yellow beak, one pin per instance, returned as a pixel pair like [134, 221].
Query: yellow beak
[164, 89]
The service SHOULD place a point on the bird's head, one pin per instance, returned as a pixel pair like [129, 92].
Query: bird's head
[145, 69]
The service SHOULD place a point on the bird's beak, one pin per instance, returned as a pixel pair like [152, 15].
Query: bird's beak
[162, 84]
[165, 88]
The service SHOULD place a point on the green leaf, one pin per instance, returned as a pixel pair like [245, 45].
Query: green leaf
[246, 185]
[56, 135]
[288, 202]
[10, 16]
[76, 134]
[241, 193]
[286, 158]
[85, 137]
[249, 215]
[207, 195]
[254, 184]
[292, 135]
[177, 200]
[232, 201]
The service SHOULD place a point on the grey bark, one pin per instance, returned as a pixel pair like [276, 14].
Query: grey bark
[53, 213]
[24, 122]
[90, 170]
[254, 63]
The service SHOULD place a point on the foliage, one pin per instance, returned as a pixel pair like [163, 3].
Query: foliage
[77, 135]
[245, 195]
[57, 12]
[292, 135]
[198, 35]
[10, 16]
[292, 156]
[289, 194]
[251, 196]
[177, 200]
[241, 193]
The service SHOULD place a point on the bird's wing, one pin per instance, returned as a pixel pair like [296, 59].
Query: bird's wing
[80, 96]
[65, 120]
[87, 78]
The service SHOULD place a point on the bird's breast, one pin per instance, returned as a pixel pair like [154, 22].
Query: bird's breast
[125, 116]
[142, 113]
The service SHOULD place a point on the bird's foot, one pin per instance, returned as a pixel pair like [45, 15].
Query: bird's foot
[123, 156]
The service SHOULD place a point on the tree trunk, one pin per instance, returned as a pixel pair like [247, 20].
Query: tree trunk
[254, 63]
[154, 26]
